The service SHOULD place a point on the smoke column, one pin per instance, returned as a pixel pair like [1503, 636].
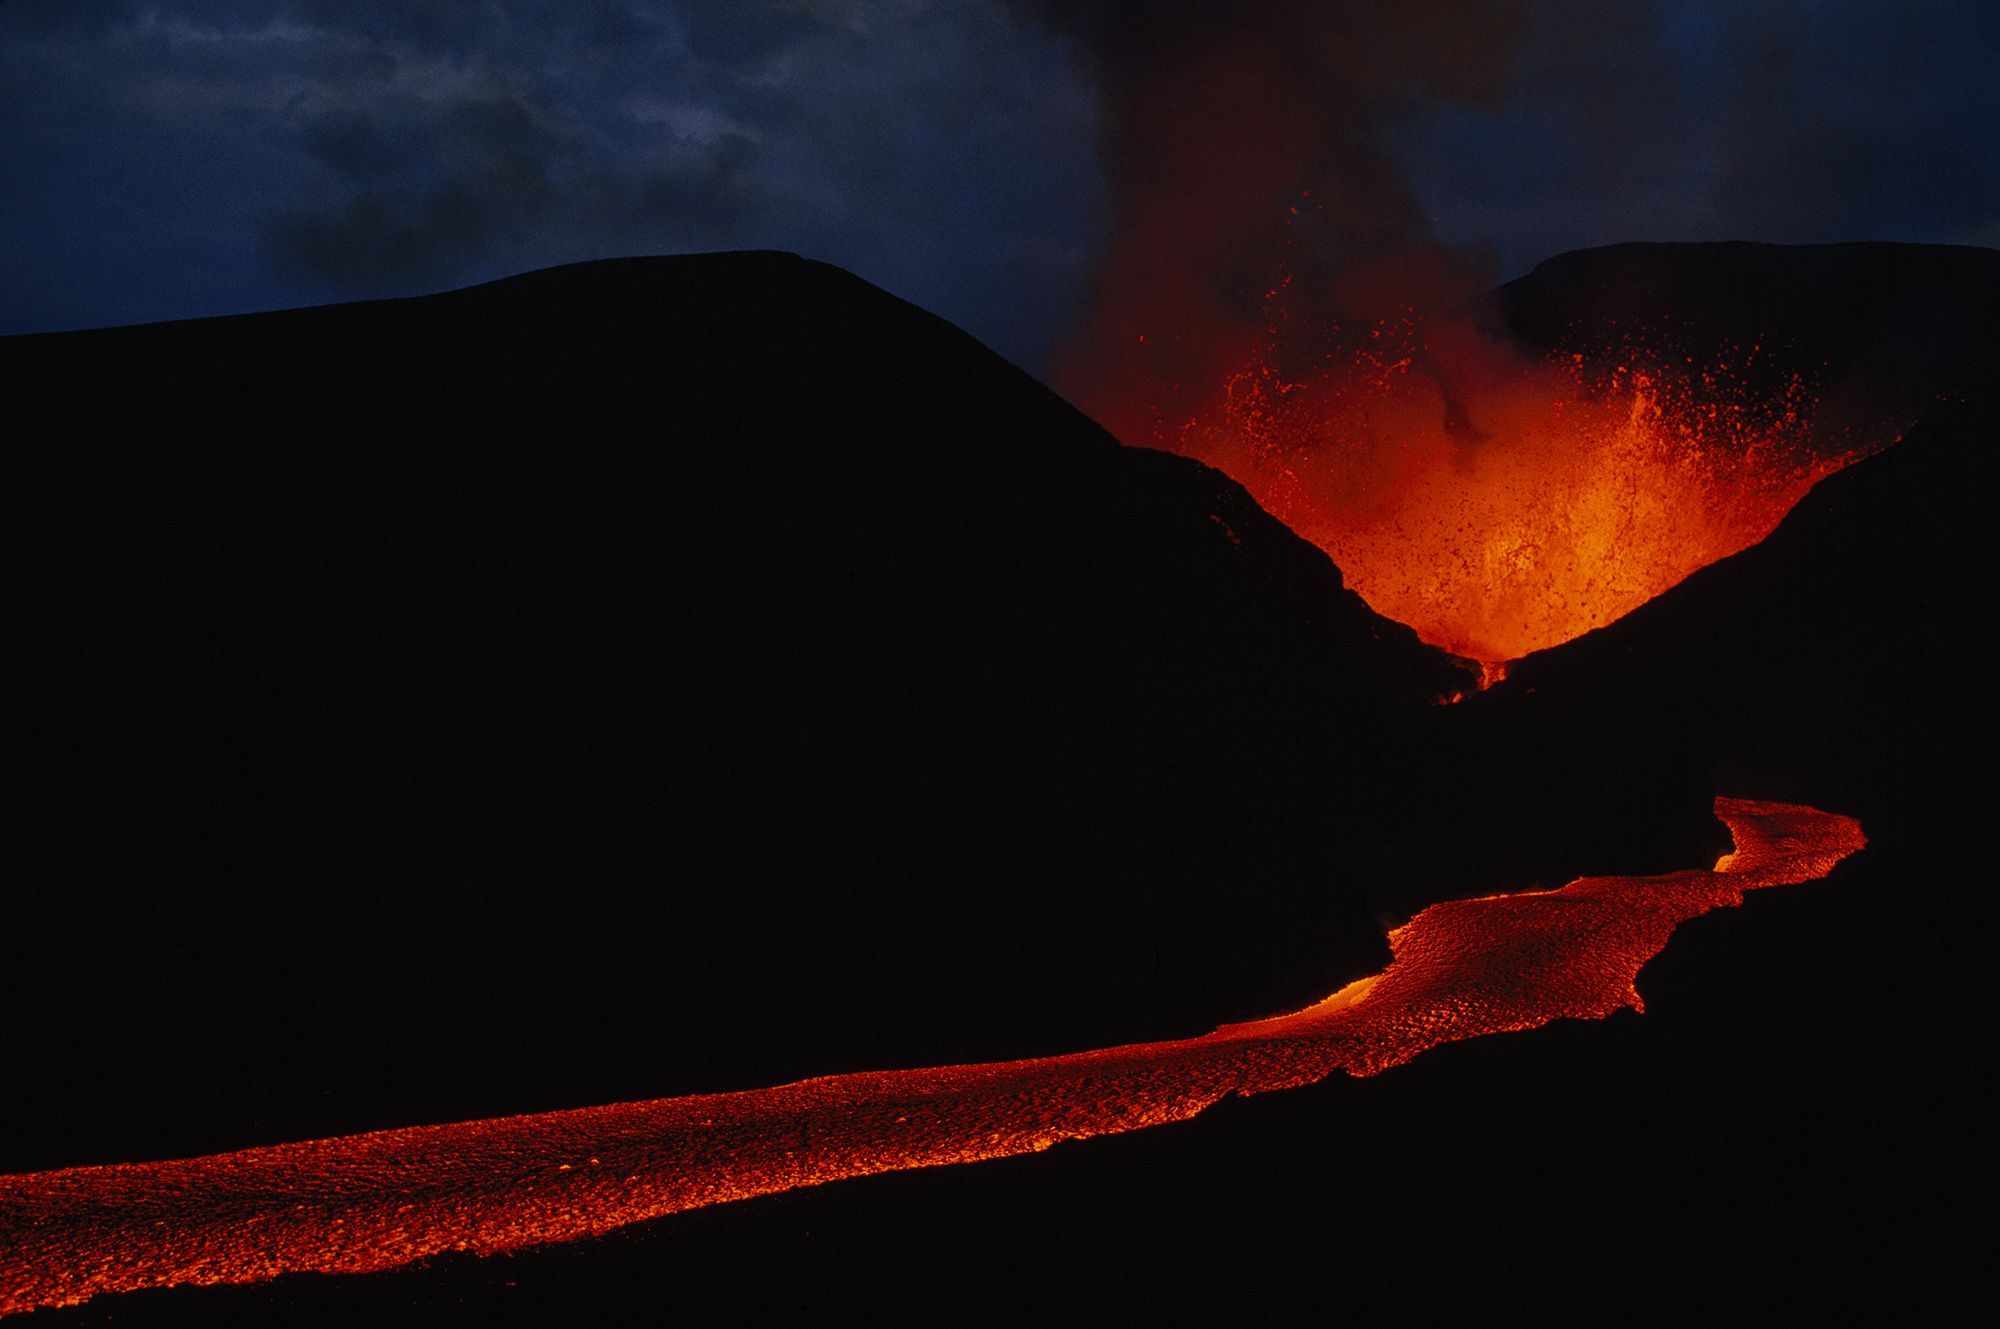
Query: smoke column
[1245, 143]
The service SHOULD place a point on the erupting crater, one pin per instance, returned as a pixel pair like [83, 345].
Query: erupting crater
[1500, 504]
[367, 1202]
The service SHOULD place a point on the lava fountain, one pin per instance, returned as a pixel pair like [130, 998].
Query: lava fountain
[1461, 969]
[1500, 502]
[1273, 302]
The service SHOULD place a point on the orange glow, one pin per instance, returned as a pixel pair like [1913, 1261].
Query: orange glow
[370, 1202]
[1501, 505]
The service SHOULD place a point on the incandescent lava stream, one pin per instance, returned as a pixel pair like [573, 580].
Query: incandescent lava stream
[371, 1202]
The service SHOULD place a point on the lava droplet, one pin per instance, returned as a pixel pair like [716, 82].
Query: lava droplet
[376, 1201]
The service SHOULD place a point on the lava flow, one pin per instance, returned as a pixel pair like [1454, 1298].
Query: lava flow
[376, 1201]
[1501, 505]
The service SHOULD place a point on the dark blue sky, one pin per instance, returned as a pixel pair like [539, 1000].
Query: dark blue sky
[172, 159]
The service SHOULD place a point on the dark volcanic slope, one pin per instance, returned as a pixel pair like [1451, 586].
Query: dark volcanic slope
[1863, 605]
[1882, 328]
[605, 797]
[362, 1204]
[1867, 603]
[439, 703]
[1822, 1142]
[1870, 602]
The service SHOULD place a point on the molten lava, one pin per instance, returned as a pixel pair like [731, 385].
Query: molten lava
[368, 1202]
[1501, 505]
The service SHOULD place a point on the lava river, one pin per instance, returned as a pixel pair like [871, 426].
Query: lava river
[370, 1202]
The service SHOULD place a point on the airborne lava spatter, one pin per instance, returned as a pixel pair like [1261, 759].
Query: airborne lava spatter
[1500, 505]
[371, 1202]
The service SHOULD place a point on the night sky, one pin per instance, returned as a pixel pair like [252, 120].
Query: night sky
[173, 159]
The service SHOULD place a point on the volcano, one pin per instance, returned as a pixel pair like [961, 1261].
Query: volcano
[1508, 475]
[670, 677]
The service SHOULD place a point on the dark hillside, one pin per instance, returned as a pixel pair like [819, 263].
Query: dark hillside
[641, 678]
[635, 678]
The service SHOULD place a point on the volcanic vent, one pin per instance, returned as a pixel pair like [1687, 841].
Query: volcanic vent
[1038, 722]
[1506, 474]
[1573, 489]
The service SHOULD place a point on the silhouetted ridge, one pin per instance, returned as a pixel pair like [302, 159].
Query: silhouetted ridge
[712, 655]
[1883, 328]
[533, 697]
[1860, 604]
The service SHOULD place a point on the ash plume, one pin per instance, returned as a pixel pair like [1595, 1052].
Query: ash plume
[1248, 143]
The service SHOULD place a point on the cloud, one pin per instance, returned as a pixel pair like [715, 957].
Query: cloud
[498, 170]
[168, 157]
[940, 147]
[1856, 121]
[1793, 121]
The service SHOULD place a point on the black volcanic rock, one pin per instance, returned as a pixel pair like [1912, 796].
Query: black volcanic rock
[1751, 677]
[1846, 643]
[1797, 1093]
[644, 677]
[1840, 662]
[1883, 331]
[1792, 1132]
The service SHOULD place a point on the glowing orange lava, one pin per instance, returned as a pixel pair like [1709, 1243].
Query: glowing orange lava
[1500, 505]
[370, 1202]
